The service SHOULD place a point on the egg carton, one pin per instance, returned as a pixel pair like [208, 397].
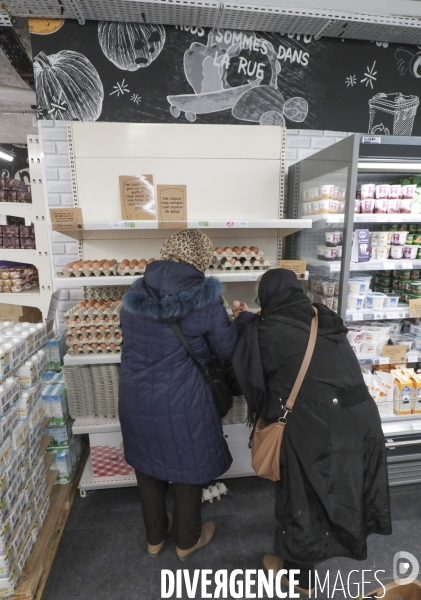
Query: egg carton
[232, 254]
[97, 338]
[128, 271]
[111, 312]
[96, 293]
[214, 491]
[92, 390]
[246, 265]
[106, 350]
[89, 272]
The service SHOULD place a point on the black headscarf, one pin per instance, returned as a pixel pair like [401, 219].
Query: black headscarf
[275, 286]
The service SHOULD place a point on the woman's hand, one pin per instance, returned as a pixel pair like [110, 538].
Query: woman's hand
[239, 307]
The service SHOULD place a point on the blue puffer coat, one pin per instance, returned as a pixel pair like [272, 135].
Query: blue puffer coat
[170, 424]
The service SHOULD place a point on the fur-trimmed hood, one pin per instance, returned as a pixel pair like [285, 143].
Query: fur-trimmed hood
[170, 290]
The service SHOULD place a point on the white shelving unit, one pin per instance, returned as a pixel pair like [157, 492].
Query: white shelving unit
[39, 297]
[234, 178]
[331, 219]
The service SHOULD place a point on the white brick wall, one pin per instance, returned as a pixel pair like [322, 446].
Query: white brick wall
[301, 143]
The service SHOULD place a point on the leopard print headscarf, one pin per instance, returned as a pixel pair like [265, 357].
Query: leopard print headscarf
[189, 246]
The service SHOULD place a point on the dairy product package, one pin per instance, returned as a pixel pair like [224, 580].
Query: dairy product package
[56, 349]
[62, 436]
[402, 393]
[63, 464]
[28, 375]
[54, 398]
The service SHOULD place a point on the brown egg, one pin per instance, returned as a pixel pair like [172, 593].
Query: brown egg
[142, 264]
[90, 304]
[80, 305]
[237, 251]
[107, 266]
[88, 319]
[236, 305]
[99, 336]
[117, 336]
[110, 301]
[76, 266]
[219, 250]
[233, 261]
[118, 300]
[97, 305]
[90, 336]
[123, 265]
[109, 336]
[261, 260]
[87, 265]
[73, 330]
[66, 267]
[101, 328]
[94, 346]
[86, 347]
[101, 262]
[115, 318]
[113, 346]
[83, 329]
[78, 320]
[106, 318]
[70, 338]
[103, 346]
[113, 261]
[254, 249]
[111, 328]
[96, 265]
[93, 328]
[227, 250]
[133, 264]
[126, 261]
[246, 250]
[75, 347]
[151, 260]
[97, 319]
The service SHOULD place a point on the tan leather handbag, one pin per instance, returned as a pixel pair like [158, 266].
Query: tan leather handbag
[267, 439]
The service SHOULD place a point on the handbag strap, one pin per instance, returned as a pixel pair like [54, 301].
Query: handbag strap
[306, 361]
[183, 341]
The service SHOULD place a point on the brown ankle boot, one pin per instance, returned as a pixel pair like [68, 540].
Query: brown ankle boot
[154, 550]
[207, 533]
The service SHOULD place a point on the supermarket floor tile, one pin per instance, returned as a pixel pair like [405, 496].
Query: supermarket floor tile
[103, 551]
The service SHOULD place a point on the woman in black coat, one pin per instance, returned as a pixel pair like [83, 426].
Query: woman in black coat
[333, 491]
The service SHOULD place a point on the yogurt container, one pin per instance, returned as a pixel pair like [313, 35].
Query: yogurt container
[367, 191]
[367, 205]
[356, 347]
[393, 206]
[410, 252]
[357, 206]
[355, 335]
[405, 206]
[375, 300]
[371, 334]
[382, 253]
[332, 238]
[382, 191]
[355, 301]
[399, 238]
[329, 289]
[380, 206]
[408, 191]
[330, 253]
[396, 252]
[357, 286]
[395, 191]
[391, 301]
[369, 347]
[327, 192]
[374, 238]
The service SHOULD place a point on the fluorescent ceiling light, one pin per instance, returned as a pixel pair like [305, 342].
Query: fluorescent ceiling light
[390, 166]
[6, 155]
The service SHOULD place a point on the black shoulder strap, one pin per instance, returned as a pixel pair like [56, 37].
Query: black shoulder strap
[183, 341]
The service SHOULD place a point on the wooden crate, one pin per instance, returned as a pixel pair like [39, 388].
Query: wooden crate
[35, 574]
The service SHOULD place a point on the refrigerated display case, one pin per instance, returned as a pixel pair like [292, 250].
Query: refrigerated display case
[363, 255]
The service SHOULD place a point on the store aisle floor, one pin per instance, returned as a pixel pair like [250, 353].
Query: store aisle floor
[103, 551]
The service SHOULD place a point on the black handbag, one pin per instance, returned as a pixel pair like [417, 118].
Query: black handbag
[214, 373]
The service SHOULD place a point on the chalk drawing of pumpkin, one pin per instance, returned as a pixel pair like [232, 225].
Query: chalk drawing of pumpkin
[68, 87]
[131, 46]
[206, 69]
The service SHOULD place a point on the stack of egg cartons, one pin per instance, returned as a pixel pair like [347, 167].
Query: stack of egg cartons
[23, 500]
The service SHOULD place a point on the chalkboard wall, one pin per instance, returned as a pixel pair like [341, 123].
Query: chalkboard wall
[19, 166]
[136, 72]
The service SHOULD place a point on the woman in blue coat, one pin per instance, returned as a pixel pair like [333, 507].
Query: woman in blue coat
[171, 428]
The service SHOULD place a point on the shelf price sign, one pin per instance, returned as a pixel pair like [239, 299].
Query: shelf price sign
[64, 219]
[396, 354]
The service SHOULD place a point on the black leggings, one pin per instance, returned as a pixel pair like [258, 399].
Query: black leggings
[188, 502]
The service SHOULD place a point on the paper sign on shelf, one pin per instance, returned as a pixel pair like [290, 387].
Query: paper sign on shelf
[415, 308]
[172, 206]
[383, 360]
[116, 224]
[368, 316]
[296, 266]
[63, 219]
[334, 267]
[407, 264]
[137, 197]
[416, 426]
[237, 224]
[253, 276]
[412, 358]
[396, 354]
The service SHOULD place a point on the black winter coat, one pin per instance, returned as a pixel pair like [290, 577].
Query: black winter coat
[334, 490]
